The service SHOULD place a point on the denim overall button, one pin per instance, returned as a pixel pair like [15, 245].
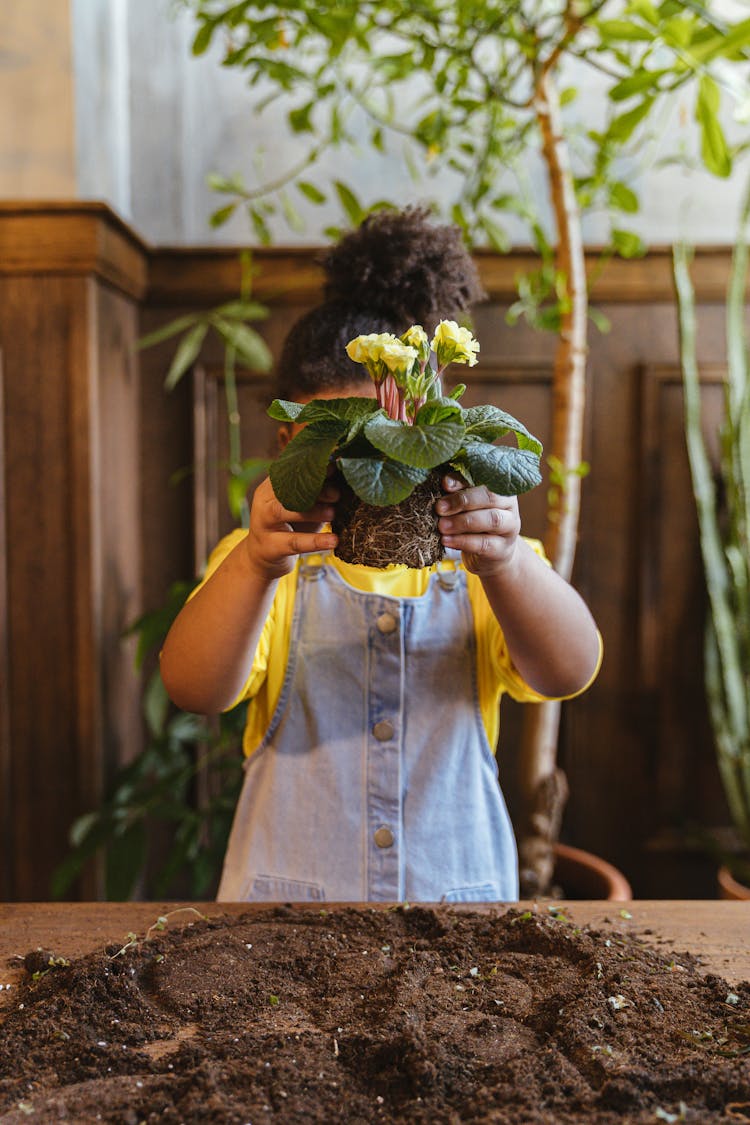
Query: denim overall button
[386, 623]
[383, 837]
[383, 730]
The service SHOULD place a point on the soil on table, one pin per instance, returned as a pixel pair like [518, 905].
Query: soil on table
[366, 1015]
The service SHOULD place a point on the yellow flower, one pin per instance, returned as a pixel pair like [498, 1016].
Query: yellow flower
[367, 349]
[416, 337]
[453, 344]
[399, 359]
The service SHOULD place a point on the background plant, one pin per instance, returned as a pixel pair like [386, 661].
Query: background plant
[723, 509]
[473, 94]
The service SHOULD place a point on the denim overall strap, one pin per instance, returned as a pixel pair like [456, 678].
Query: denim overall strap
[374, 781]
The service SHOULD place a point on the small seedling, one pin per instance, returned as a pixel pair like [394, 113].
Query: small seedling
[132, 940]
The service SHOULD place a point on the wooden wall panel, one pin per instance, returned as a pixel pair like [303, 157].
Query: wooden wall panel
[72, 565]
[6, 805]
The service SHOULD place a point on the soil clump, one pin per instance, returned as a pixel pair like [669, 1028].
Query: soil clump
[405, 533]
[411, 1014]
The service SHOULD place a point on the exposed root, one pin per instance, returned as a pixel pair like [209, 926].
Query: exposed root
[404, 533]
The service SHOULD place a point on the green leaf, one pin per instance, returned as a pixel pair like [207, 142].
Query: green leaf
[299, 119]
[353, 209]
[627, 244]
[250, 347]
[501, 468]
[622, 197]
[646, 10]
[439, 410]
[168, 330]
[155, 704]
[724, 43]
[381, 482]
[242, 310]
[349, 410]
[186, 354]
[299, 472]
[635, 84]
[202, 38]
[220, 216]
[260, 226]
[284, 411]
[622, 128]
[623, 29]
[498, 237]
[423, 447]
[489, 423]
[714, 149]
[311, 192]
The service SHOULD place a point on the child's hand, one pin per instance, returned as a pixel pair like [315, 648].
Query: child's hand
[277, 536]
[479, 523]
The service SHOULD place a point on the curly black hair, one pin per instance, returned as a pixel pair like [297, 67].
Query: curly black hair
[395, 270]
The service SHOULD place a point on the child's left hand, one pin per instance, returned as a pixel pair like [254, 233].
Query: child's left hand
[479, 523]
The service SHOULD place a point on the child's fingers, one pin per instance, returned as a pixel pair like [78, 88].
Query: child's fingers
[319, 513]
[484, 521]
[476, 496]
[302, 543]
[486, 546]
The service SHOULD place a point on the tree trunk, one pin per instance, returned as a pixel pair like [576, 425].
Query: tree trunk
[543, 786]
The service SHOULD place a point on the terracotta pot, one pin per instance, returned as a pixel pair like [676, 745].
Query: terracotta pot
[586, 876]
[729, 887]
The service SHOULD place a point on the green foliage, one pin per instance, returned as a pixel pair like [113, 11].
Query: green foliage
[383, 460]
[723, 507]
[457, 89]
[230, 322]
[153, 799]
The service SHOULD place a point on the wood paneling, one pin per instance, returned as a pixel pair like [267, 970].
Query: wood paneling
[114, 490]
[73, 548]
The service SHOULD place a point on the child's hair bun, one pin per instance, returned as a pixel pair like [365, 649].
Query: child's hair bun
[400, 266]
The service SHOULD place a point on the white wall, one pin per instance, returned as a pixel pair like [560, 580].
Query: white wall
[153, 122]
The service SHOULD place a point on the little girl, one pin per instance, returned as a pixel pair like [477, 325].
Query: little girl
[374, 694]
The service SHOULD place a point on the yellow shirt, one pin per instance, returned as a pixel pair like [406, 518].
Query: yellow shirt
[496, 674]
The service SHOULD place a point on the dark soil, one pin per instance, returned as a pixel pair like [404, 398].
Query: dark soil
[405, 533]
[359, 1015]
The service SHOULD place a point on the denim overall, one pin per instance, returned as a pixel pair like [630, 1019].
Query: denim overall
[375, 780]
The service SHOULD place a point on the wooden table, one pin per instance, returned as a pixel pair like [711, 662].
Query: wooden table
[717, 932]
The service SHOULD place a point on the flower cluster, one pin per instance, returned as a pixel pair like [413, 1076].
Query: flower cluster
[401, 367]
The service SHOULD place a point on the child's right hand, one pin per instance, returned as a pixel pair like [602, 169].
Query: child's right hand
[276, 535]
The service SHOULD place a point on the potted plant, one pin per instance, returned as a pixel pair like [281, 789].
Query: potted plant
[722, 496]
[391, 451]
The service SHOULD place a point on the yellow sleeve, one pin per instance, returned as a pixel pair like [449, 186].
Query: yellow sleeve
[263, 685]
[496, 673]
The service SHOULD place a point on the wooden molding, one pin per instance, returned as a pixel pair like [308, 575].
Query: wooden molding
[72, 239]
[291, 275]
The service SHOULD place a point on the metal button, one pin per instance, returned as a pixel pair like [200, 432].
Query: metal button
[383, 730]
[383, 837]
[386, 623]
